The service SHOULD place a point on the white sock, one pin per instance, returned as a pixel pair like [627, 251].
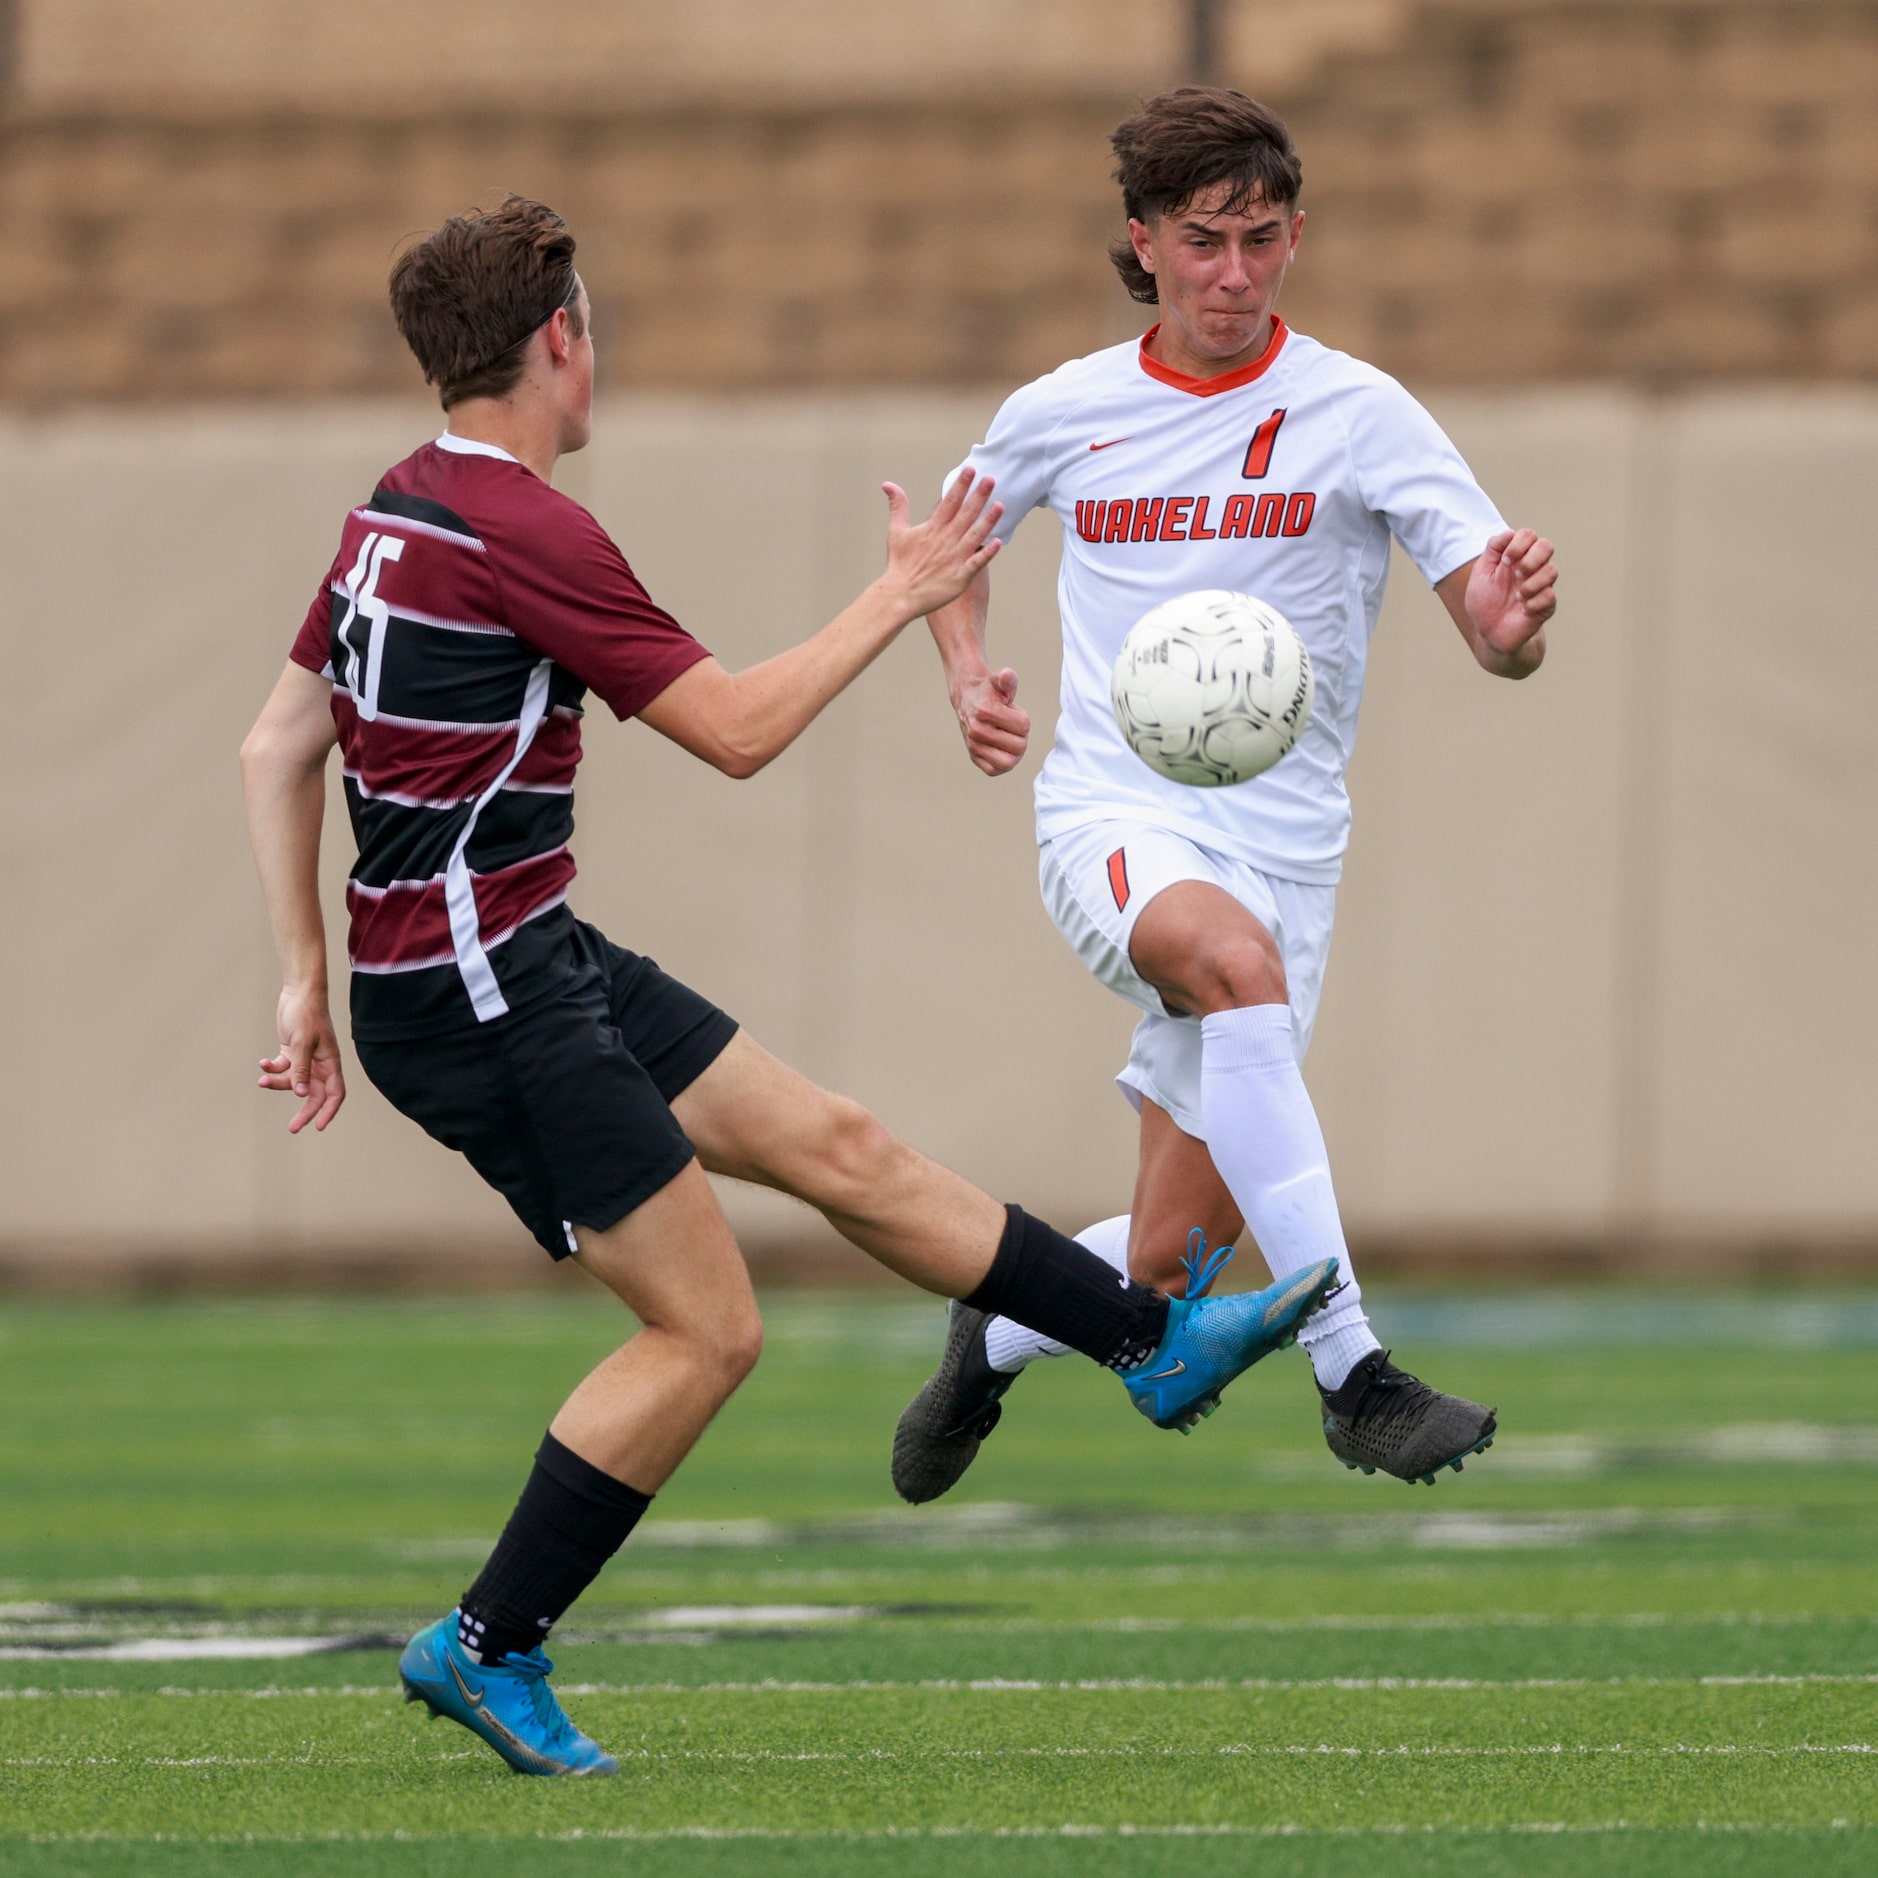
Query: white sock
[1269, 1149]
[1010, 1346]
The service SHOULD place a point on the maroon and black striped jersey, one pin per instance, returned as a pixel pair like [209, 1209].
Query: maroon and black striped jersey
[468, 612]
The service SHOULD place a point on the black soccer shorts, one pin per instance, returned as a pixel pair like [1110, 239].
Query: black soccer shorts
[564, 1106]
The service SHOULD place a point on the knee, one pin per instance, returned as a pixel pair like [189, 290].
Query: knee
[1242, 971]
[719, 1343]
[738, 1344]
[854, 1147]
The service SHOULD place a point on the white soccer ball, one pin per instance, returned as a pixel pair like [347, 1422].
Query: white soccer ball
[1213, 688]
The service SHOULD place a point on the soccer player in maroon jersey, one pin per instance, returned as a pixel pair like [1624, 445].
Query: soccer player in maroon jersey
[467, 613]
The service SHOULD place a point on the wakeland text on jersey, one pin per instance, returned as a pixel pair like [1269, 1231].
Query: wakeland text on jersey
[1186, 518]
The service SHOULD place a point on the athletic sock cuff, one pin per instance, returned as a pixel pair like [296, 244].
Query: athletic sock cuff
[1052, 1285]
[570, 1520]
[1255, 1036]
[587, 1482]
[1337, 1350]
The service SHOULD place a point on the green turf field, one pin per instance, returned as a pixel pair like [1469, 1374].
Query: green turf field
[1640, 1636]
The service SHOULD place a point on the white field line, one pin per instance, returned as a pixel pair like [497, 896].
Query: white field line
[309, 1759]
[1436, 1621]
[1545, 1828]
[1018, 1686]
[1401, 1751]
[1131, 1685]
[177, 1650]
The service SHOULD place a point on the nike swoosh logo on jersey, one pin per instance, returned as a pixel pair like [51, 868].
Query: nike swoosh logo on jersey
[1110, 445]
[1179, 1369]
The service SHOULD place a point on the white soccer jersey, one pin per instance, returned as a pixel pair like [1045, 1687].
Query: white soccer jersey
[1284, 479]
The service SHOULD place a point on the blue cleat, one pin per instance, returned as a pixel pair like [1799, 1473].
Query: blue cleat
[1209, 1341]
[508, 1703]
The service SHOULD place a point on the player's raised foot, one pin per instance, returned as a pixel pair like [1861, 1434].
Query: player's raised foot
[939, 1433]
[1209, 1341]
[508, 1703]
[1382, 1418]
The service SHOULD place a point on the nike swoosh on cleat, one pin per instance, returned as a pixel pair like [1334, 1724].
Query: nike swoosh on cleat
[1179, 1369]
[536, 1760]
[1110, 445]
[474, 1697]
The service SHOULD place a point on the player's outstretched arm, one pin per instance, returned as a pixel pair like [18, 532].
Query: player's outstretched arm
[739, 721]
[996, 727]
[1502, 600]
[283, 776]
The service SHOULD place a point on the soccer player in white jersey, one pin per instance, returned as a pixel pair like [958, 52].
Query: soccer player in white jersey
[1221, 451]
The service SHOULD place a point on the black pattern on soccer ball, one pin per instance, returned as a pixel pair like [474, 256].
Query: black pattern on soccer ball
[1212, 688]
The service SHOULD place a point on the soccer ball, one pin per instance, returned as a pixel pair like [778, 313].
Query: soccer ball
[1212, 688]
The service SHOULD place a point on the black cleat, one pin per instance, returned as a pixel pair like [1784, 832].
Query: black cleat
[938, 1436]
[1382, 1417]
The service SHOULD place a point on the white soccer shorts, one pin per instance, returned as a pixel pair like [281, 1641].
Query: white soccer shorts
[1097, 878]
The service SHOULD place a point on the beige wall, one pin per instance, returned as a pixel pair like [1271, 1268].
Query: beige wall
[1603, 949]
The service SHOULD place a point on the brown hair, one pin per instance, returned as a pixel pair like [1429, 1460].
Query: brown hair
[470, 297]
[1186, 141]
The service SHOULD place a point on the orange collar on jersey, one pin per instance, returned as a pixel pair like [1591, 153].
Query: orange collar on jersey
[1226, 381]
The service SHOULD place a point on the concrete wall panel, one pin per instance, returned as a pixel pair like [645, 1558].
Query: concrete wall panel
[868, 904]
[1468, 1057]
[1767, 924]
[1602, 959]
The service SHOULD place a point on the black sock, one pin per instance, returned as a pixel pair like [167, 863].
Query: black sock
[1054, 1286]
[570, 1520]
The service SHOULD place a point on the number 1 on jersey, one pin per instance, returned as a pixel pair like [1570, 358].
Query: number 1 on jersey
[1258, 455]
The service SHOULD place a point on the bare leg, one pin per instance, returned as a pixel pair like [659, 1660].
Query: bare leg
[1203, 952]
[752, 1117]
[1176, 1189]
[674, 1264]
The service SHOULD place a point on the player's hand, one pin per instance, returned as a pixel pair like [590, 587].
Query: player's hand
[307, 1064]
[996, 726]
[1513, 589]
[930, 563]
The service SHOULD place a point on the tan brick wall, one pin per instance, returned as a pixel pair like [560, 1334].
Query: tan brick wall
[1564, 190]
[373, 55]
[1580, 190]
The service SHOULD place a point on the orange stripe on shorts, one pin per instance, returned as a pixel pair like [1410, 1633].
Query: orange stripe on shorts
[1118, 878]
